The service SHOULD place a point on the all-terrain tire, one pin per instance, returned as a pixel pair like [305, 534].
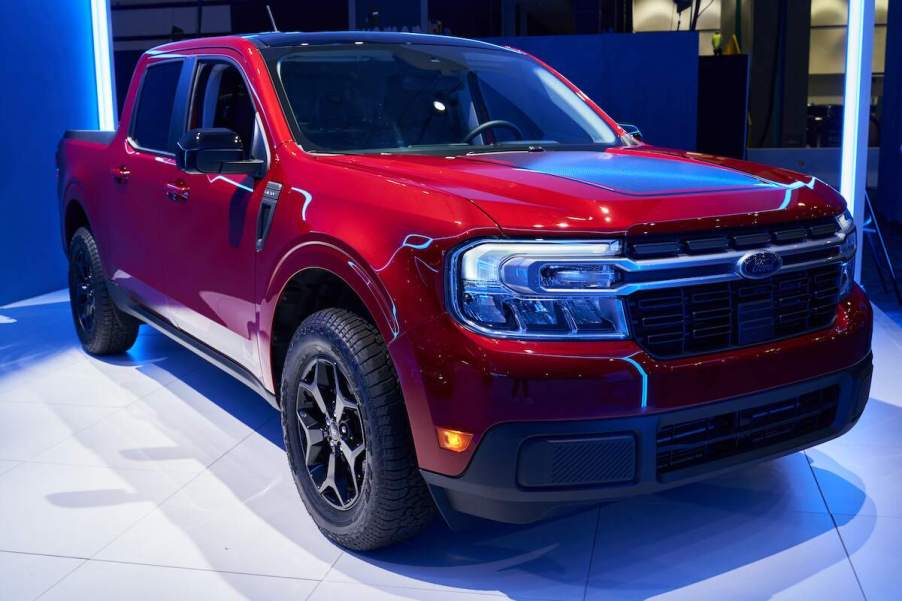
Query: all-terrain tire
[102, 328]
[393, 502]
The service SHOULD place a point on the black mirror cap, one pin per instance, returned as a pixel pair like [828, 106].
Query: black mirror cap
[210, 137]
[214, 150]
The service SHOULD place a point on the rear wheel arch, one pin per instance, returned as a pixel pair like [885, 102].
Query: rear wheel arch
[75, 217]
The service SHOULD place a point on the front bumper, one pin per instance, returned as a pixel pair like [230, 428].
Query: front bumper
[527, 471]
[455, 379]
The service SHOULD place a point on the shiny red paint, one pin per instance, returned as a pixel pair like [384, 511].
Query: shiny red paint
[384, 225]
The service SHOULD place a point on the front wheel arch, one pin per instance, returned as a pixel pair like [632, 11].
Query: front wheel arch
[308, 291]
[362, 293]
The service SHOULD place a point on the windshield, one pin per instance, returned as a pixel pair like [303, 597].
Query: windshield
[432, 98]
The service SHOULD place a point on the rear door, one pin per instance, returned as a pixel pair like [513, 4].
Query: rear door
[211, 220]
[139, 169]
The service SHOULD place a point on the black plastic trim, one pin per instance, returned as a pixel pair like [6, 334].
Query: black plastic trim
[742, 238]
[267, 212]
[490, 486]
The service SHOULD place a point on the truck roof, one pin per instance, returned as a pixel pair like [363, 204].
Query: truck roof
[313, 38]
[348, 37]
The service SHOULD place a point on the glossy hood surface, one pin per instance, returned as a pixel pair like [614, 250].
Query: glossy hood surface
[638, 189]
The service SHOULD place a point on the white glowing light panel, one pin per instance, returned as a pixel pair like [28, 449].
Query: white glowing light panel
[103, 73]
[856, 112]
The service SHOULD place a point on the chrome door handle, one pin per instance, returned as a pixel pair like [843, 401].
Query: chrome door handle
[177, 191]
[120, 173]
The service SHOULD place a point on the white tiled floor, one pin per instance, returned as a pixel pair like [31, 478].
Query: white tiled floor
[155, 476]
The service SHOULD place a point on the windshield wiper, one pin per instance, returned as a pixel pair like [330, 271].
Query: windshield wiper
[517, 146]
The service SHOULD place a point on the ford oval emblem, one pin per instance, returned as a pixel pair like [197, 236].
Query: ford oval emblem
[761, 264]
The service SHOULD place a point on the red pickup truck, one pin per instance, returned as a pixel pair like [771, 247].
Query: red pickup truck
[462, 284]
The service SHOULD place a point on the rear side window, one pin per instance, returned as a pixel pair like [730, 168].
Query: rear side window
[153, 113]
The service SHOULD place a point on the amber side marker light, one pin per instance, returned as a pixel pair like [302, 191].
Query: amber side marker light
[453, 440]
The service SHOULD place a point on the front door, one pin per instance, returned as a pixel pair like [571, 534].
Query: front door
[210, 221]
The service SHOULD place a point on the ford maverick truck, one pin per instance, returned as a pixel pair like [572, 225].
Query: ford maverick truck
[467, 290]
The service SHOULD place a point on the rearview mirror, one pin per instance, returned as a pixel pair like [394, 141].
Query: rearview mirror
[215, 150]
[632, 130]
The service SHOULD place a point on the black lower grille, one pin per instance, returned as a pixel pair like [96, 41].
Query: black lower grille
[690, 320]
[691, 443]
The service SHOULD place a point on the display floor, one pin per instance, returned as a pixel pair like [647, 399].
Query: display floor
[155, 476]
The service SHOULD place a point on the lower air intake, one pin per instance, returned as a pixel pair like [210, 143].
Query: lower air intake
[693, 443]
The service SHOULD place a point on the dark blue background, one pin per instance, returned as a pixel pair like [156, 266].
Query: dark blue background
[47, 78]
[648, 79]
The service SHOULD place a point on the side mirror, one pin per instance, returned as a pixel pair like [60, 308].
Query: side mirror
[214, 150]
[632, 130]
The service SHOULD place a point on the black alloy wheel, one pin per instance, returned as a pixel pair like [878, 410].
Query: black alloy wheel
[332, 433]
[81, 278]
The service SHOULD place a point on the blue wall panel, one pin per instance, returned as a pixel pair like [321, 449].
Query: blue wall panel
[649, 79]
[47, 76]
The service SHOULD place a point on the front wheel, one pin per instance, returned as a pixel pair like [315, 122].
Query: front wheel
[347, 435]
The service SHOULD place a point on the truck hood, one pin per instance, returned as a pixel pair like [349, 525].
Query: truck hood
[618, 190]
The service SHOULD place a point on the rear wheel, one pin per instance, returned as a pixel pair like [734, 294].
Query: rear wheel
[102, 328]
[347, 435]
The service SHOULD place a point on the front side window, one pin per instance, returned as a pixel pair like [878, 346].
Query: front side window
[412, 98]
[221, 99]
[153, 112]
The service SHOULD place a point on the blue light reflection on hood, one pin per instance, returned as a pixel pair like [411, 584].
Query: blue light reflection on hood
[637, 175]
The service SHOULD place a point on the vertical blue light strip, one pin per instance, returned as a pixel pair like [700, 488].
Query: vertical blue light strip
[644, 376]
[856, 111]
[103, 72]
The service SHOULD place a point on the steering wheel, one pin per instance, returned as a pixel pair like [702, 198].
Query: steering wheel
[490, 125]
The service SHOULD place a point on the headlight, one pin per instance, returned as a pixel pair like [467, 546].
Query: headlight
[848, 250]
[537, 289]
